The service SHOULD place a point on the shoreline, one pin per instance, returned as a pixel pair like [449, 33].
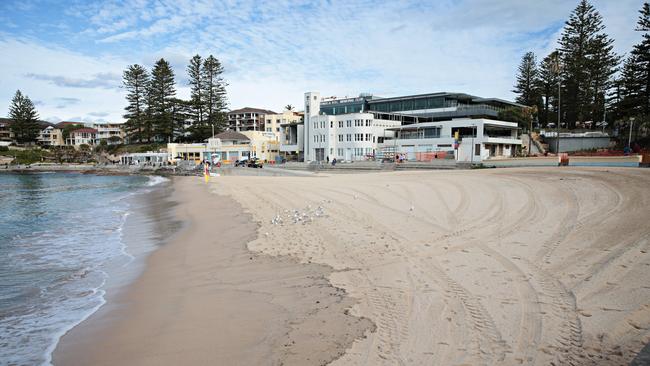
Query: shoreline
[199, 284]
[136, 234]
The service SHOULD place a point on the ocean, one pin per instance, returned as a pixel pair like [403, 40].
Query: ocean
[60, 236]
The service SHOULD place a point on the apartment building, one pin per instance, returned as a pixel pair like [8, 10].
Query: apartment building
[111, 132]
[82, 136]
[248, 119]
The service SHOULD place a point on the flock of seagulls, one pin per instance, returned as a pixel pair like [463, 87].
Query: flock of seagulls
[297, 216]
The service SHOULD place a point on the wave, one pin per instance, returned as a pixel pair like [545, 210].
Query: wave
[156, 179]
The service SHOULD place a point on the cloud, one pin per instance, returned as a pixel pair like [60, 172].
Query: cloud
[64, 102]
[275, 51]
[99, 114]
[99, 80]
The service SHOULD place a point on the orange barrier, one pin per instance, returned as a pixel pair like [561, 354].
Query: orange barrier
[645, 158]
[563, 159]
[429, 156]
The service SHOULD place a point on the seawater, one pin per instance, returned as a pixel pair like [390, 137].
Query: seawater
[59, 232]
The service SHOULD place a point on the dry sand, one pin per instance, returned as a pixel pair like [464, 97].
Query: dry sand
[511, 266]
[204, 299]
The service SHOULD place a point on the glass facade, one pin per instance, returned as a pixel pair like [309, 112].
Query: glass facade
[333, 110]
[411, 104]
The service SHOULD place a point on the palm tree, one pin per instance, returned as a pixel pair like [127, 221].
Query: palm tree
[289, 107]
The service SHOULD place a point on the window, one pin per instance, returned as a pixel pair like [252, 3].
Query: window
[477, 149]
[341, 124]
[367, 123]
[349, 123]
[341, 138]
[339, 152]
[331, 124]
[349, 137]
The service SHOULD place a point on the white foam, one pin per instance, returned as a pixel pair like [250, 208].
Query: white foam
[156, 179]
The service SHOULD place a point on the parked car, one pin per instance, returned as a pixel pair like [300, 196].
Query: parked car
[243, 162]
[255, 163]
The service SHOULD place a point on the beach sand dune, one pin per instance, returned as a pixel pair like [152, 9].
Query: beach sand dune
[481, 267]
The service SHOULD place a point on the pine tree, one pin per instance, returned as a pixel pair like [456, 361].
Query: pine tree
[183, 117]
[588, 64]
[197, 100]
[24, 117]
[136, 82]
[162, 91]
[548, 88]
[215, 97]
[527, 84]
[634, 85]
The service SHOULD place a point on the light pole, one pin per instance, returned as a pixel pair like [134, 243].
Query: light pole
[471, 150]
[213, 130]
[629, 139]
[559, 101]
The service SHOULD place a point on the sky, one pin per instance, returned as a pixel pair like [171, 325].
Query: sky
[68, 56]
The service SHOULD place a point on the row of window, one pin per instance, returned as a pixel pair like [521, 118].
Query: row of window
[319, 138]
[357, 137]
[358, 151]
[348, 123]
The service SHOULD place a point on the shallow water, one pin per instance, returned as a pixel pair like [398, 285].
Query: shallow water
[59, 233]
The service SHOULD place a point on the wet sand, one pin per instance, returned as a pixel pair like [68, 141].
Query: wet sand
[204, 299]
[479, 267]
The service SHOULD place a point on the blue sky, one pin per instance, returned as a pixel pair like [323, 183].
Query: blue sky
[68, 56]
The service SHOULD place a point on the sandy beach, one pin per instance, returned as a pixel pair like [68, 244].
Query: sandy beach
[479, 267]
[506, 266]
[204, 299]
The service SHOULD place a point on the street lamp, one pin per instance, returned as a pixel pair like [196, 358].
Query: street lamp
[556, 68]
[629, 139]
[471, 151]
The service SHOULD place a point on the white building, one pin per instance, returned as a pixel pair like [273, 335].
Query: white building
[111, 132]
[82, 136]
[346, 137]
[479, 139]
[291, 140]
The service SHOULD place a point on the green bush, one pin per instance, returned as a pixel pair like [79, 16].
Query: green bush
[4, 148]
[26, 156]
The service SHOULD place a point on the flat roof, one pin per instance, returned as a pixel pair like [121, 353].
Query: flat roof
[462, 96]
[464, 122]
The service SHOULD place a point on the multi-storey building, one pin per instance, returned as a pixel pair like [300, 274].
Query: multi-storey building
[111, 132]
[273, 122]
[353, 128]
[5, 130]
[478, 139]
[247, 119]
[82, 136]
[348, 136]
[292, 134]
[50, 136]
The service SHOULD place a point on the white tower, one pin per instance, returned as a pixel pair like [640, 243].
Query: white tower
[312, 109]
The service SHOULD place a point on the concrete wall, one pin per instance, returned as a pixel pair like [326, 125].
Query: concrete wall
[569, 144]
